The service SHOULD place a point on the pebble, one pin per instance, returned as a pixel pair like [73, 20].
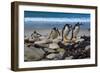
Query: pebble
[53, 46]
[87, 47]
[51, 56]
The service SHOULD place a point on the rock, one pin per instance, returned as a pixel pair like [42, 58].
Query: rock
[59, 56]
[32, 40]
[29, 44]
[87, 47]
[43, 37]
[79, 40]
[26, 38]
[41, 45]
[56, 56]
[53, 46]
[60, 50]
[69, 58]
[62, 45]
[51, 56]
[56, 40]
[42, 41]
[61, 53]
[33, 54]
[49, 50]
[86, 38]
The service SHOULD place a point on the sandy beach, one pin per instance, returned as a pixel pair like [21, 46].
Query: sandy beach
[47, 32]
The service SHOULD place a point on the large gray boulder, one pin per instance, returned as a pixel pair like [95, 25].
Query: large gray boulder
[33, 54]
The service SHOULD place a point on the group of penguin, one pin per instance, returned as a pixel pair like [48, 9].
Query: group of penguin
[65, 32]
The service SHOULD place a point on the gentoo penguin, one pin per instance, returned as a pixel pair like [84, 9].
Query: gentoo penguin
[54, 33]
[75, 31]
[35, 34]
[65, 32]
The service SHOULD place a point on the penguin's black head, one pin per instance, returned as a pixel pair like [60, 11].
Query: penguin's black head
[78, 24]
[35, 31]
[68, 25]
[54, 28]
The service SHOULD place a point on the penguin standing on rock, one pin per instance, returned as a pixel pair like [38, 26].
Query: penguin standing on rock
[75, 31]
[54, 33]
[65, 32]
[35, 35]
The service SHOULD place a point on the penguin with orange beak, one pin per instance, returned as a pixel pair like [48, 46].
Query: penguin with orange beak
[65, 32]
[54, 33]
[75, 31]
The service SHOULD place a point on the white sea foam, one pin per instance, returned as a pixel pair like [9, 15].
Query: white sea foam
[44, 19]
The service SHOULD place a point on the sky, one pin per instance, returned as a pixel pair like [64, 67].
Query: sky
[55, 18]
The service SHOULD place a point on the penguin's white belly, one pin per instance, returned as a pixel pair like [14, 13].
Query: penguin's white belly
[76, 31]
[53, 35]
[66, 31]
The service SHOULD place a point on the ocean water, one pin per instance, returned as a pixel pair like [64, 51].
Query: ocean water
[29, 25]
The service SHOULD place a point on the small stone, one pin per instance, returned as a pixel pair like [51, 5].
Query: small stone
[53, 46]
[49, 50]
[31, 40]
[87, 47]
[26, 38]
[42, 41]
[60, 50]
[79, 40]
[56, 40]
[51, 56]
[68, 58]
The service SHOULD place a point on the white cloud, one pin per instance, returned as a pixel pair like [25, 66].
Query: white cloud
[57, 19]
